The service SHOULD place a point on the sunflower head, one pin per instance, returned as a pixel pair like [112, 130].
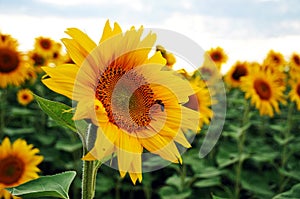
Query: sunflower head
[45, 46]
[236, 72]
[24, 96]
[126, 92]
[18, 163]
[264, 90]
[275, 60]
[8, 40]
[294, 93]
[170, 58]
[13, 66]
[218, 56]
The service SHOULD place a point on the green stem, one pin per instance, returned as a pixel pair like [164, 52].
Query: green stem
[284, 154]
[182, 176]
[241, 143]
[89, 174]
[3, 100]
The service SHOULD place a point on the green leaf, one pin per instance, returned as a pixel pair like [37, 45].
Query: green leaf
[66, 145]
[59, 112]
[216, 197]
[293, 193]
[209, 172]
[169, 192]
[46, 186]
[210, 182]
[22, 131]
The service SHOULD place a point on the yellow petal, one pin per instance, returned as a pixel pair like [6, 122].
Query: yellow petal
[109, 32]
[82, 39]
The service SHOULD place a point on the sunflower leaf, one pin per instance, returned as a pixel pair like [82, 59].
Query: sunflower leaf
[46, 186]
[61, 114]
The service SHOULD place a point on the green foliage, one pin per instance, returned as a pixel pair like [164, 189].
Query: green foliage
[46, 186]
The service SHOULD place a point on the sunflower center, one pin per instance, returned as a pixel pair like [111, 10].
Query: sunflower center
[239, 72]
[46, 44]
[11, 170]
[9, 60]
[263, 89]
[216, 56]
[3, 37]
[38, 59]
[276, 59]
[25, 97]
[296, 60]
[127, 103]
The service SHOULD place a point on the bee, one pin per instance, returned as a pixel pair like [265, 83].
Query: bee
[162, 106]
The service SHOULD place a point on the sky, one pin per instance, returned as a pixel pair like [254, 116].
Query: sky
[245, 29]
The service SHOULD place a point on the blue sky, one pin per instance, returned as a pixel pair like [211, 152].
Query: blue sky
[246, 29]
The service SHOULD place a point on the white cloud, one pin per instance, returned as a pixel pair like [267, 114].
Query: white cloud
[133, 4]
[207, 32]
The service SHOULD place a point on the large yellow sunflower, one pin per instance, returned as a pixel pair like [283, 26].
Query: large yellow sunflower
[294, 94]
[4, 194]
[133, 101]
[238, 70]
[13, 65]
[24, 96]
[264, 90]
[18, 163]
[218, 56]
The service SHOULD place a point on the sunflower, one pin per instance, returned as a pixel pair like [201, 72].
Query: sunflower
[201, 101]
[24, 96]
[294, 93]
[264, 90]
[294, 64]
[218, 56]
[45, 46]
[238, 70]
[18, 163]
[275, 60]
[135, 104]
[4, 194]
[8, 40]
[170, 58]
[13, 65]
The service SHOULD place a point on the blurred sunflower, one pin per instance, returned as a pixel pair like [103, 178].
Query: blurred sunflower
[275, 60]
[201, 101]
[294, 64]
[4, 194]
[8, 40]
[238, 70]
[170, 58]
[13, 65]
[57, 56]
[135, 104]
[24, 96]
[18, 163]
[294, 93]
[264, 90]
[218, 56]
[45, 46]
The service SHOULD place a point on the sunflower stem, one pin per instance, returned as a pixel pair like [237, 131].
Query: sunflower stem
[284, 154]
[241, 143]
[3, 99]
[89, 174]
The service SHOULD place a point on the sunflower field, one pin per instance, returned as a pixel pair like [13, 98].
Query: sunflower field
[65, 131]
